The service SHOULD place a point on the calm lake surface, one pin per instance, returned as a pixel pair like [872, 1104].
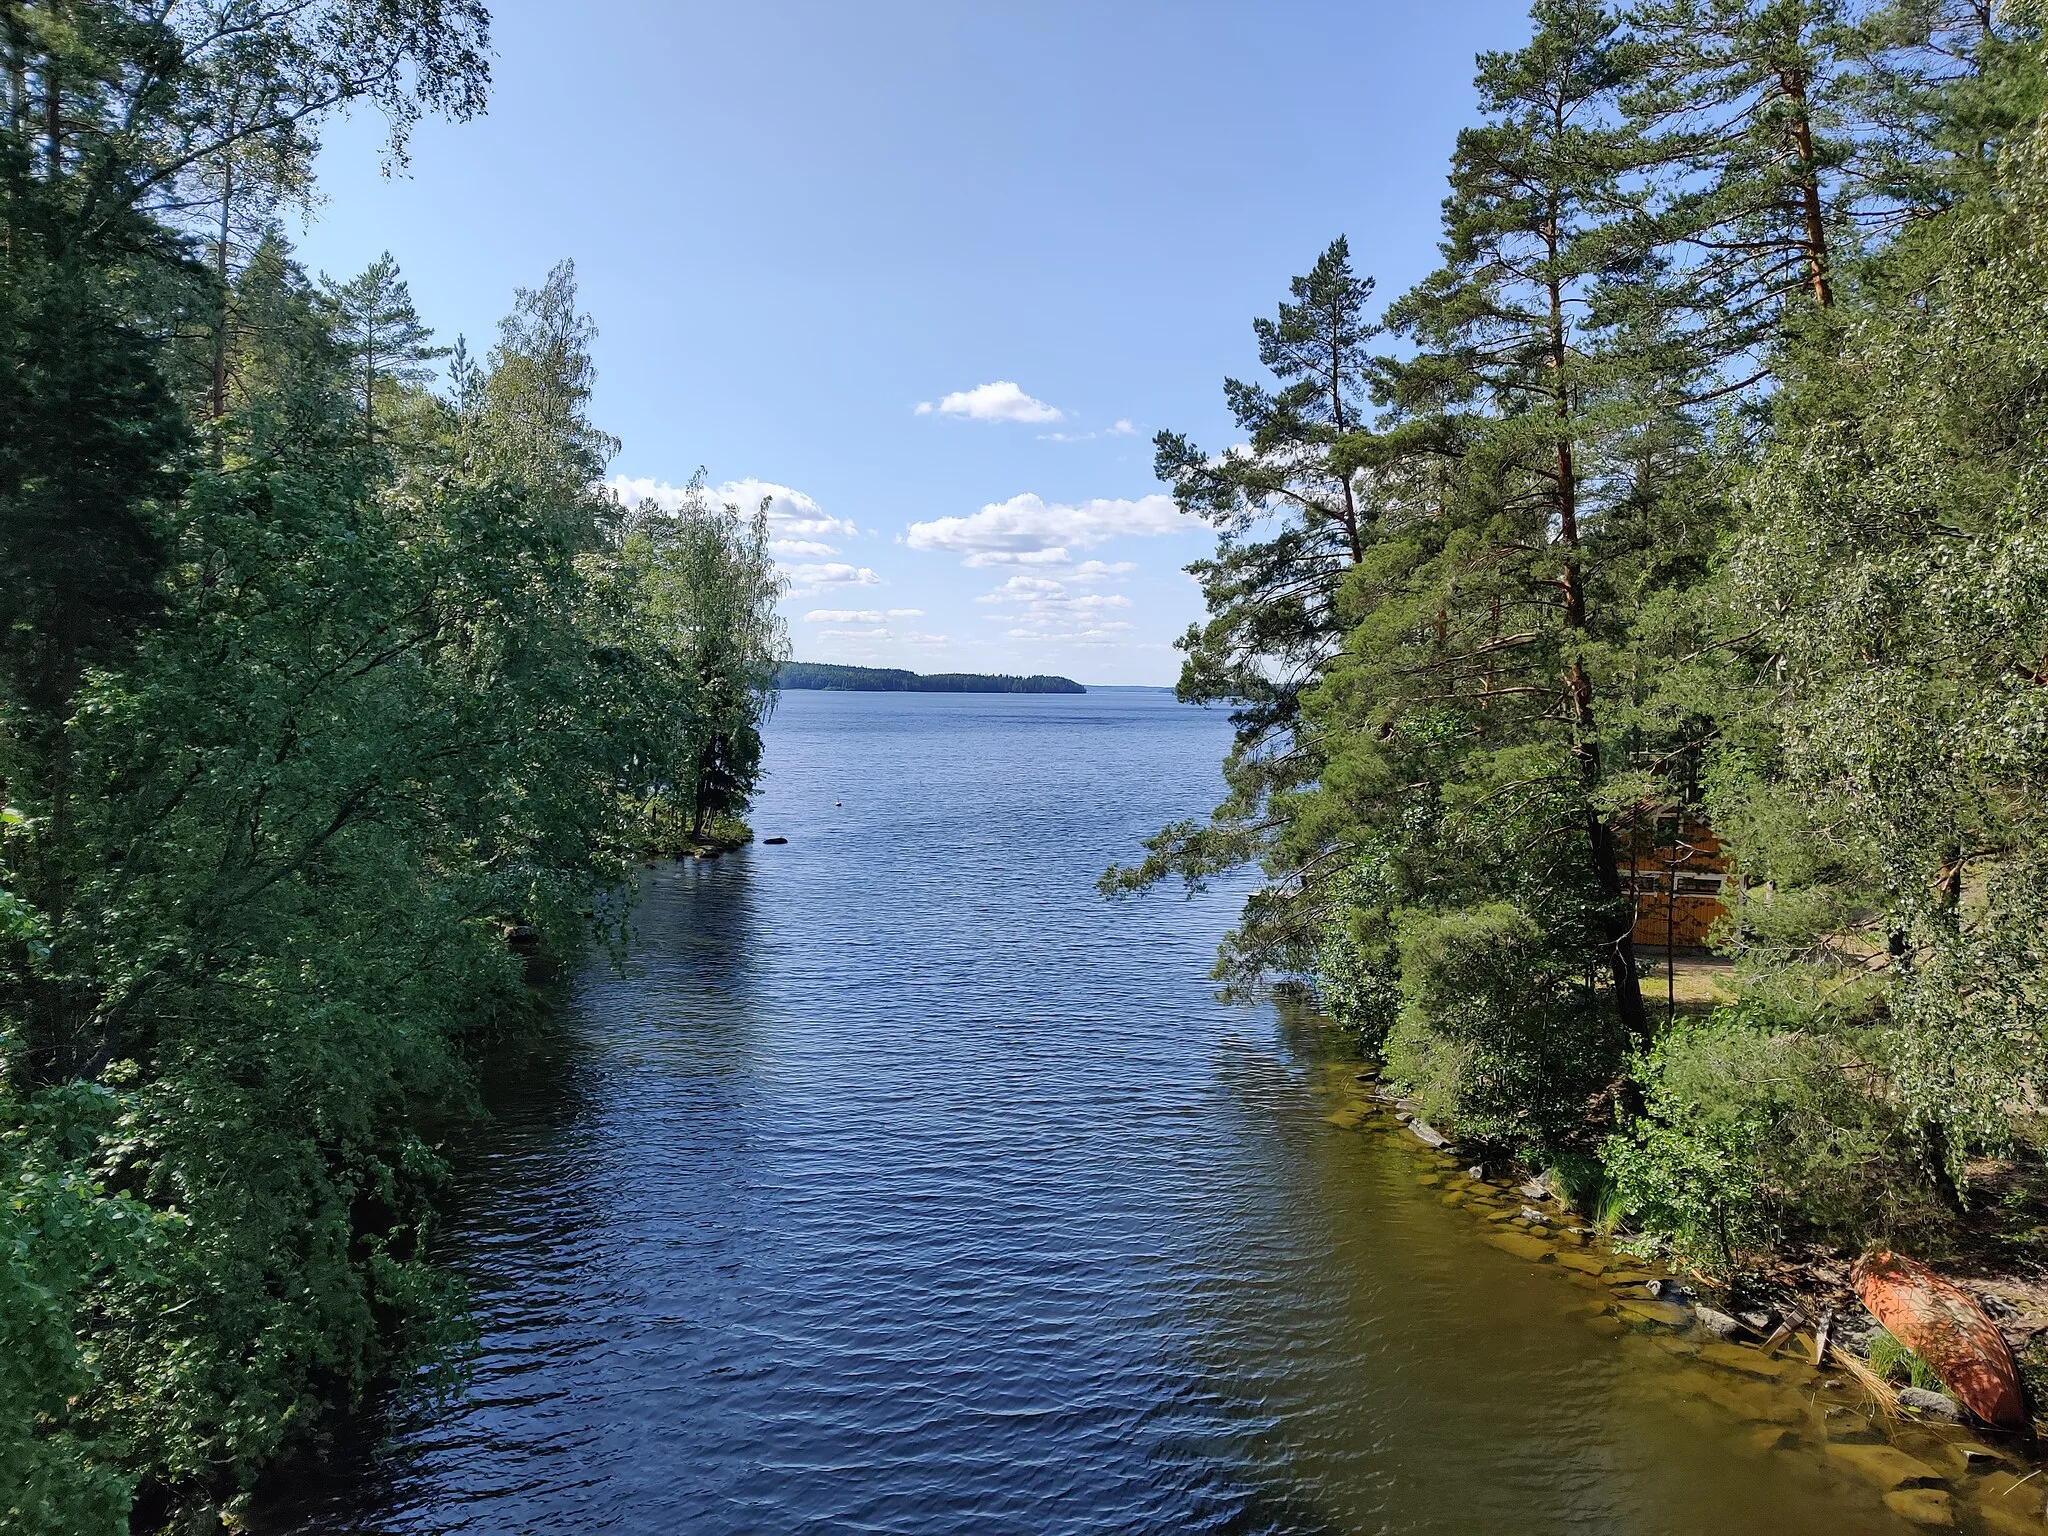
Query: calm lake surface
[903, 1185]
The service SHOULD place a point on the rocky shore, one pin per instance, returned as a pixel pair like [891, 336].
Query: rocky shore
[1781, 1369]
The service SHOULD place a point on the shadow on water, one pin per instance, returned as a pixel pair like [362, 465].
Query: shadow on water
[902, 1185]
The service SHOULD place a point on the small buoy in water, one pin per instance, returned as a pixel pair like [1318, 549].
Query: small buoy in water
[839, 802]
[773, 842]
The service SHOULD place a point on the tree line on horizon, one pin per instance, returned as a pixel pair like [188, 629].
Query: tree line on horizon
[1701, 483]
[326, 664]
[835, 677]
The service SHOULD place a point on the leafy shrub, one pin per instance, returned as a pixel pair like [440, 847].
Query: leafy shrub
[1499, 1033]
[1754, 1131]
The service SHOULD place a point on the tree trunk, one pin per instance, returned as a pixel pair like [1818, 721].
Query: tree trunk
[217, 403]
[1809, 192]
[1606, 861]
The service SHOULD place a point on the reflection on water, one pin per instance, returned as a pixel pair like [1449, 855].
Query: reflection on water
[902, 1185]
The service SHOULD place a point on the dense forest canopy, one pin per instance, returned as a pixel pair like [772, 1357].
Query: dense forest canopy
[318, 679]
[1693, 495]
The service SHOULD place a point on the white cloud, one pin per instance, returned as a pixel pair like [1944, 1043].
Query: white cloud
[797, 548]
[1045, 610]
[1057, 555]
[1000, 401]
[1028, 524]
[1101, 570]
[810, 579]
[1100, 634]
[791, 514]
[1023, 589]
[1121, 428]
[860, 615]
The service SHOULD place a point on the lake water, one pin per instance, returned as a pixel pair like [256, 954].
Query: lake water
[904, 1185]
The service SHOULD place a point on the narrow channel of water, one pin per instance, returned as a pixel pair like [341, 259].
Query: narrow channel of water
[903, 1185]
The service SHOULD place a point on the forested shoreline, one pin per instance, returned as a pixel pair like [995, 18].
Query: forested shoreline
[1696, 493]
[330, 675]
[831, 676]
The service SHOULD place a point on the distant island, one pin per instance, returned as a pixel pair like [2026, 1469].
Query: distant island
[817, 674]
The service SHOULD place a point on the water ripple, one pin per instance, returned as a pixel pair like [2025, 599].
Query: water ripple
[904, 1186]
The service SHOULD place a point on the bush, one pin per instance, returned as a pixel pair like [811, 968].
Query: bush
[1754, 1132]
[1499, 1033]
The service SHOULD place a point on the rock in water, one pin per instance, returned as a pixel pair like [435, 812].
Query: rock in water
[773, 842]
[1719, 1324]
[1945, 1326]
[1933, 1404]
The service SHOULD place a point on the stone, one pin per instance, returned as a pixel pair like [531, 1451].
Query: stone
[1455, 1197]
[2008, 1517]
[1534, 1217]
[1979, 1459]
[1719, 1324]
[1922, 1506]
[774, 842]
[1933, 1405]
[1660, 1313]
[1504, 1215]
[1772, 1437]
[1534, 1249]
[1476, 1173]
[1428, 1134]
[1584, 1263]
[1536, 1189]
[1746, 1362]
[1886, 1465]
[1845, 1426]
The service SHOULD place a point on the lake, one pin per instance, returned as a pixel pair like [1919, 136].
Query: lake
[901, 1184]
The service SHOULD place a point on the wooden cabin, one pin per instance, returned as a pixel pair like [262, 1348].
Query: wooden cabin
[1675, 872]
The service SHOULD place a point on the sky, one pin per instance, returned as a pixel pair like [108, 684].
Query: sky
[928, 275]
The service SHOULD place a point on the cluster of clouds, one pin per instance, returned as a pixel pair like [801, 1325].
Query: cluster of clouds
[1029, 530]
[1005, 400]
[1050, 594]
[799, 530]
[1041, 608]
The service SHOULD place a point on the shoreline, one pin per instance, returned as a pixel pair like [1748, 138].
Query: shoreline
[1763, 1383]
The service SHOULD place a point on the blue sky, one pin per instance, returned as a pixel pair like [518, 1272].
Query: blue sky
[929, 274]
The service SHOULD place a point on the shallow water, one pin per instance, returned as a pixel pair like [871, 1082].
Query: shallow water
[904, 1185]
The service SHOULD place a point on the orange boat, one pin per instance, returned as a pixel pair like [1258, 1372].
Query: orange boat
[1943, 1324]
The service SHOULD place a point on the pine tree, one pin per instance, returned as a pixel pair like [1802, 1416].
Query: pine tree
[386, 339]
[1740, 107]
[1512, 363]
[1293, 518]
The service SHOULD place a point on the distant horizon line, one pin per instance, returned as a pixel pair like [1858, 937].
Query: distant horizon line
[955, 672]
